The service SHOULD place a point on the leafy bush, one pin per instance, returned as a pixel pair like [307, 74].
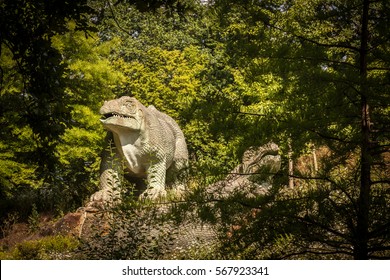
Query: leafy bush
[135, 232]
[33, 219]
[47, 248]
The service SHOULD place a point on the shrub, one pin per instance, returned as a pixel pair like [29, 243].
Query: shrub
[47, 248]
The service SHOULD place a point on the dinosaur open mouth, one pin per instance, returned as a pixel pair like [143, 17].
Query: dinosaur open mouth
[115, 115]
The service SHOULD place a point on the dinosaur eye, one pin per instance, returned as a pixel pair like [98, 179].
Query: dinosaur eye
[131, 107]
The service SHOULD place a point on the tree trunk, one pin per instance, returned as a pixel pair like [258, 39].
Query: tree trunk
[315, 162]
[290, 166]
[362, 233]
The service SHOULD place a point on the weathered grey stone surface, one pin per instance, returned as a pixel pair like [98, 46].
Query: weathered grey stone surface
[149, 142]
[253, 176]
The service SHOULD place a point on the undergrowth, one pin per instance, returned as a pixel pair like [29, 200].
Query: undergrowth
[47, 248]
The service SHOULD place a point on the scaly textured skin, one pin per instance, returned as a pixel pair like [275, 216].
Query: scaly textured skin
[150, 142]
[253, 176]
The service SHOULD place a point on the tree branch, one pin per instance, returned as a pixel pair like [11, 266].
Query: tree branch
[323, 253]
[328, 229]
[313, 59]
[251, 114]
[379, 248]
[356, 49]
[378, 68]
[329, 137]
[380, 182]
[115, 19]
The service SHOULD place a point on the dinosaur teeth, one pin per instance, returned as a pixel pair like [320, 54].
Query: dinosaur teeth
[115, 115]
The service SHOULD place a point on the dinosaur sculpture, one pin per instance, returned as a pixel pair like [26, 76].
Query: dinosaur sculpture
[150, 143]
[253, 176]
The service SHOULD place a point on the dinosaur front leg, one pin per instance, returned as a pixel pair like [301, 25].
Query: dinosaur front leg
[110, 169]
[156, 181]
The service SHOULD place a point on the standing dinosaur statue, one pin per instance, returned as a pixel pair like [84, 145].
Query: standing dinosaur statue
[150, 143]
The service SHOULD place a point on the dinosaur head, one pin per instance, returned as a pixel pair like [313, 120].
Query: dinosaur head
[122, 113]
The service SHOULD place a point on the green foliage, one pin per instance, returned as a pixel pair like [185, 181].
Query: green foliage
[89, 78]
[33, 219]
[48, 248]
[34, 110]
[8, 223]
[322, 58]
[37, 100]
[234, 75]
[316, 219]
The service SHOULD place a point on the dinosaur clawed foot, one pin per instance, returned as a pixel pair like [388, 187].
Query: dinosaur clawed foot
[153, 194]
